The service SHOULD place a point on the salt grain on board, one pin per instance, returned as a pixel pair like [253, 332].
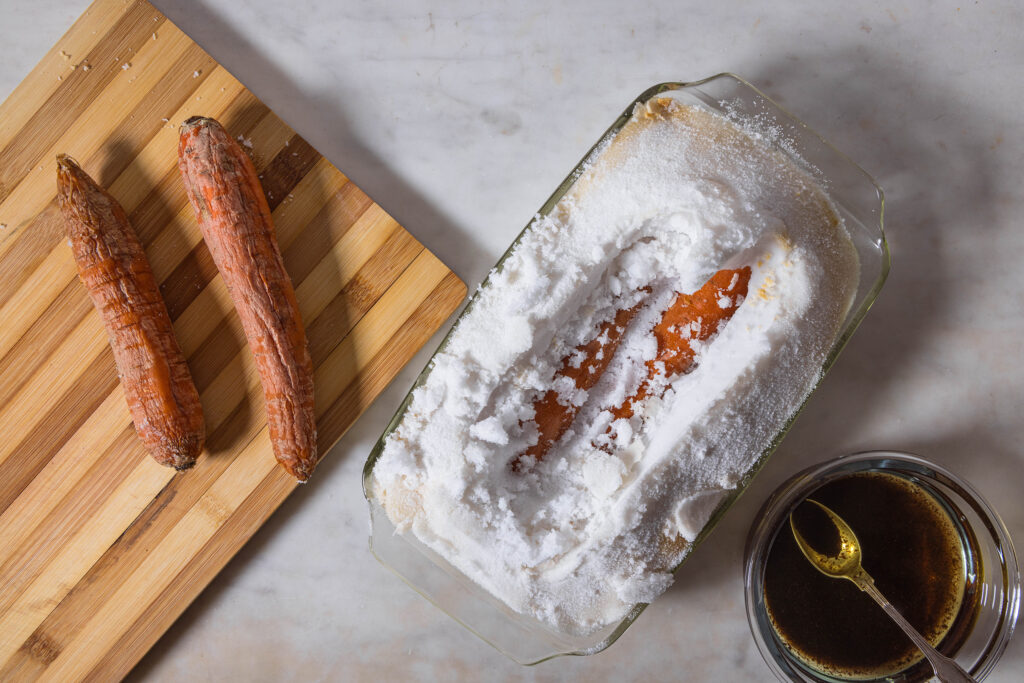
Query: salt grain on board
[598, 524]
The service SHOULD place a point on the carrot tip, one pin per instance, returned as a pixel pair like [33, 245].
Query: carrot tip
[194, 121]
[66, 162]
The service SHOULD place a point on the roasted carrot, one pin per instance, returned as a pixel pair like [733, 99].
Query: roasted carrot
[232, 211]
[553, 417]
[162, 398]
[691, 317]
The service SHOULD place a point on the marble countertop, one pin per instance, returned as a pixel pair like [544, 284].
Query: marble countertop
[461, 117]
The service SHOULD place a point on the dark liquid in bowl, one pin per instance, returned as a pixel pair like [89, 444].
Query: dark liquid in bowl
[914, 550]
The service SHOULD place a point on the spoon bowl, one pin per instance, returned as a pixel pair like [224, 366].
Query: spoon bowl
[846, 562]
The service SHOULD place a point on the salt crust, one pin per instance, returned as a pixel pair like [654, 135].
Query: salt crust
[598, 524]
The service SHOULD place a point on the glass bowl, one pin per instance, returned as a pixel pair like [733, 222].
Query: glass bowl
[859, 201]
[998, 578]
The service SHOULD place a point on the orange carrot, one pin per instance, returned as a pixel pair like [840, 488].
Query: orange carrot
[162, 398]
[691, 317]
[225, 193]
[554, 418]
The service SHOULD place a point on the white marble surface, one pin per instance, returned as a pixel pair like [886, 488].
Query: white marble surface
[461, 117]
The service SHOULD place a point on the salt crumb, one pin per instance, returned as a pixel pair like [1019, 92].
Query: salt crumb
[126, 66]
[154, 35]
[195, 74]
[246, 142]
[3, 226]
[165, 119]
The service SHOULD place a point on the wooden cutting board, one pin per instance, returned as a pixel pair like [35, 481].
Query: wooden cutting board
[100, 547]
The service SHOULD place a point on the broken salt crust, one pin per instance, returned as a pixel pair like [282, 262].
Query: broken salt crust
[597, 525]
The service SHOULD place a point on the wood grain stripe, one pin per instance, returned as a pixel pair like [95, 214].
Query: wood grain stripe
[43, 80]
[40, 339]
[55, 529]
[339, 213]
[56, 426]
[82, 88]
[62, 472]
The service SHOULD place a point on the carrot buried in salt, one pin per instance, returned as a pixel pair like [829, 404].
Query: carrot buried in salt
[553, 417]
[691, 317]
[232, 211]
[162, 398]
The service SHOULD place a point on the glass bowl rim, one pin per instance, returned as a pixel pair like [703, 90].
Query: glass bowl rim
[782, 499]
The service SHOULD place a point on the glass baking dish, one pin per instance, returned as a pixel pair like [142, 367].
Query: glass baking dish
[858, 199]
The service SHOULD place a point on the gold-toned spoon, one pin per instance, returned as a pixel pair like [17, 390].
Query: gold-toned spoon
[846, 564]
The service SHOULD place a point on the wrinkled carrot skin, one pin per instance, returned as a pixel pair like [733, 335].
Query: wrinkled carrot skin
[691, 317]
[161, 396]
[232, 211]
[553, 418]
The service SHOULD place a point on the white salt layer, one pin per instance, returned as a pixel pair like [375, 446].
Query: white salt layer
[576, 539]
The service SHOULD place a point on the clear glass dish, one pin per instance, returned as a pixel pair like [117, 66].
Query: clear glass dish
[998, 581]
[858, 200]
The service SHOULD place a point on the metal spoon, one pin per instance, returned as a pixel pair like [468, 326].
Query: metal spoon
[847, 565]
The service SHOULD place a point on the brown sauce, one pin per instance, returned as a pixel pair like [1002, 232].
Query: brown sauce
[913, 550]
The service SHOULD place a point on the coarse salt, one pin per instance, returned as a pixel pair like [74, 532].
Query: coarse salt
[598, 524]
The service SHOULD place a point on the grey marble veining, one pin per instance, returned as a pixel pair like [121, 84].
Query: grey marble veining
[460, 118]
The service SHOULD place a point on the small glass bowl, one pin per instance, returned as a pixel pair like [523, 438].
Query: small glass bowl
[999, 583]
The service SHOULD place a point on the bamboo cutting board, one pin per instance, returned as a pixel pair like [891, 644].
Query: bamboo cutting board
[100, 547]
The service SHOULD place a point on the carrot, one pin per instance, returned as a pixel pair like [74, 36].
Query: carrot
[691, 317]
[162, 398]
[225, 193]
[554, 418]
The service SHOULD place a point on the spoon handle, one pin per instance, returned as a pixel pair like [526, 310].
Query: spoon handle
[945, 669]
